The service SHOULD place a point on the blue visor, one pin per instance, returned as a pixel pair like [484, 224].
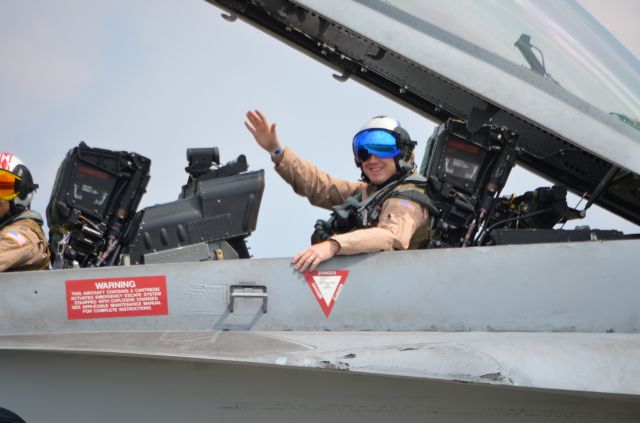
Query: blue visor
[377, 142]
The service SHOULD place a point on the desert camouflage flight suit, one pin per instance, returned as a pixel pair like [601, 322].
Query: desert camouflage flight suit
[402, 223]
[23, 245]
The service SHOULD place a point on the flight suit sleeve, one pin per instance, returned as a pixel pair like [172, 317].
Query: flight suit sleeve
[320, 188]
[20, 247]
[399, 220]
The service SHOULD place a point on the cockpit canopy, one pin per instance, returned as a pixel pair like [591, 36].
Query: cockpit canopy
[544, 69]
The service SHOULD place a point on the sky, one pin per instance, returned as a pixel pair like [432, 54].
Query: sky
[123, 75]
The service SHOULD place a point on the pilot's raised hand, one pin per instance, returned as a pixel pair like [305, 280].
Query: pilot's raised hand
[264, 133]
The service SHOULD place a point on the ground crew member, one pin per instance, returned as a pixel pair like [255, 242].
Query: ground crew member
[23, 245]
[384, 152]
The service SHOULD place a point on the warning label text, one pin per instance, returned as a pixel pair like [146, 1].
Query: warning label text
[117, 297]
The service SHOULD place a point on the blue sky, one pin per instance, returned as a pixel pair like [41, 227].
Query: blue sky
[159, 79]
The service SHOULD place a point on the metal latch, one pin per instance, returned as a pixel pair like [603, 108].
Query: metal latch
[248, 291]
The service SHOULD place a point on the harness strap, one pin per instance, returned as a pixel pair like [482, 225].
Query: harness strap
[368, 209]
[354, 214]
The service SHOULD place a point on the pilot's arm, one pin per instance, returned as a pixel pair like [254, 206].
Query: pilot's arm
[320, 188]
[399, 220]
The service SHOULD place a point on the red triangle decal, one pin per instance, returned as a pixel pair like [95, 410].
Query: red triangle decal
[326, 286]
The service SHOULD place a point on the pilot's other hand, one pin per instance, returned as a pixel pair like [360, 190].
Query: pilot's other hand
[309, 258]
[265, 134]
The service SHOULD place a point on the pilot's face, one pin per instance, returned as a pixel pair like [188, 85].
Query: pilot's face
[379, 170]
[5, 206]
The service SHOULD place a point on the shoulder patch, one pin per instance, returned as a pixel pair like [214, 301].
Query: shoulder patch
[17, 237]
[406, 204]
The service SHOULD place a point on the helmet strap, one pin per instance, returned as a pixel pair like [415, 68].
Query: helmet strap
[15, 208]
[404, 166]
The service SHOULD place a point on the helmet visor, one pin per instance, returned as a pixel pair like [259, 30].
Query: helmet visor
[9, 185]
[377, 142]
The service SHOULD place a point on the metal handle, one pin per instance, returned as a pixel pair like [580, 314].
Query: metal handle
[240, 291]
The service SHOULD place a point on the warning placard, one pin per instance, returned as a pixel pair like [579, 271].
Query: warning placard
[326, 286]
[117, 297]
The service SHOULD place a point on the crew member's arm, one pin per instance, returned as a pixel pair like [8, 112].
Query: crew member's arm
[399, 220]
[320, 188]
[307, 180]
[20, 247]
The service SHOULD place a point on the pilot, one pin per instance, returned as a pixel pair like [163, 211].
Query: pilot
[23, 245]
[383, 151]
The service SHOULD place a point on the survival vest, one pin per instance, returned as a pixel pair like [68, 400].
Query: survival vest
[356, 214]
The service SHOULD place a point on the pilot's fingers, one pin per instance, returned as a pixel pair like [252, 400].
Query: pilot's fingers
[304, 264]
[301, 265]
[314, 264]
[303, 260]
[262, 117]
[297, 256]
[250, 128]
[298, 260]
[255, 121]
[310, 264]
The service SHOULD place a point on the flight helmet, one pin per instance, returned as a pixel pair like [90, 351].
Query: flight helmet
[16, 183]
[384, 137]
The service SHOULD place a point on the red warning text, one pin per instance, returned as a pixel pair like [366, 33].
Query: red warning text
[117, 297]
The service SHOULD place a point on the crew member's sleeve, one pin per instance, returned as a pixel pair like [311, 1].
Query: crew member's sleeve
[307, 180]
[399, 220]
[20, 247]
